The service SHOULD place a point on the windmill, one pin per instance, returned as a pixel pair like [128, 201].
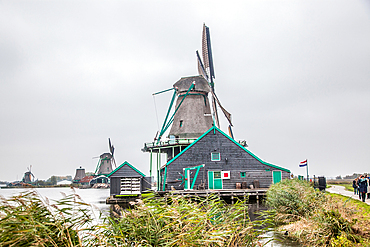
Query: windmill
[191, 114]
[28, 176]
[106, 161]
[80, 174]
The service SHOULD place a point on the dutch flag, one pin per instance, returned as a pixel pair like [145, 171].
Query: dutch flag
[303, 163]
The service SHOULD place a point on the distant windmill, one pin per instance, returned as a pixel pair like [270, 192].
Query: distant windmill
[28, 176]
[106, 161]
[80, 174]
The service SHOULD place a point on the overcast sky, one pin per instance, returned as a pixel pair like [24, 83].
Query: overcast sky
[294, 74]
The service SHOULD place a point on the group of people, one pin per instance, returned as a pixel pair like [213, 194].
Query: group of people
[361, 186]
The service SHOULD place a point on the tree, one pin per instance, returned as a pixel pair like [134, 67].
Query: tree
[53, 180]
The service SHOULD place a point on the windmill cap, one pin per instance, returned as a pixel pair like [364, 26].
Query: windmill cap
[201, 84]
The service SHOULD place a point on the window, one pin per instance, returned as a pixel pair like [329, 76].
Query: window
[242, 174]
[181, 123]
[216, 174]
[215, 157]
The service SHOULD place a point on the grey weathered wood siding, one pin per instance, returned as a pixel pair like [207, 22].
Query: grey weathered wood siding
[146, 183]
[233, 159]
[124, 171]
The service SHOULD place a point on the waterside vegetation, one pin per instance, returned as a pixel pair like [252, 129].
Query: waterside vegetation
[315, 218]
[298, 211]
[30, 220]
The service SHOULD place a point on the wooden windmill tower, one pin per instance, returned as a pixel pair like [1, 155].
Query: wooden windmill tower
[192, 115]
[80, 174]
[106, 162]
[28, 176]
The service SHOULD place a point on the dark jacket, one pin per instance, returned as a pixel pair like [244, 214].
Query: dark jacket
[362, 183]
[354, 184]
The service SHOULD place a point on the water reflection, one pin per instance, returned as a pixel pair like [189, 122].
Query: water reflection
[95, 197]
[271, 238]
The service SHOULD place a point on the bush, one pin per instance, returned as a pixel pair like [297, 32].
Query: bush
[312, 217]
[293, 198]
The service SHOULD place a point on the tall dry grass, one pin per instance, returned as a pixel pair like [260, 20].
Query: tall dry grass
[185, 222]
[315, 218]
[30, 220]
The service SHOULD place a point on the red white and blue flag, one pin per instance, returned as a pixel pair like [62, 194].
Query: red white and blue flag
[303, 163]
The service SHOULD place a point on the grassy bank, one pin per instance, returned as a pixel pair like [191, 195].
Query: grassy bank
[318, 219]
[29, 220]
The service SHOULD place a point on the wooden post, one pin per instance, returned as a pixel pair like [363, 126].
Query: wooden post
[151, 162]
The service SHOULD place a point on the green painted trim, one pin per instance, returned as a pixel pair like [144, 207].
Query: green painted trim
[177, 108]
[128, 164]
[128, 195]
[168, 113]
[179, 154]
[195, 177]
[98, 166]
[213, 158]
[164, 178]
[215, 128]
[164, 91]
[204, 96]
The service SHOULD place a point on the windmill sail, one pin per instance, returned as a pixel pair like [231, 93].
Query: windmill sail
[201, 69]
[209, 69]
[111, 147]
[205, 47]
[226, 113]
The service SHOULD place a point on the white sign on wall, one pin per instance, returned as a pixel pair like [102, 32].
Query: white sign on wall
[225, 174]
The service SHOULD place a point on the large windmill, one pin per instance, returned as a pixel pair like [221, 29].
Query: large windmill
[106, 162]
[191, 115]
[28, 176]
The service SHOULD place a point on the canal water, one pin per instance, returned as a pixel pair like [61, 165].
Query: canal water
[97, 198]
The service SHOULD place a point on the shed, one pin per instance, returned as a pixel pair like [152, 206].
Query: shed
[128, 180]
[216, 161]
[86, 180]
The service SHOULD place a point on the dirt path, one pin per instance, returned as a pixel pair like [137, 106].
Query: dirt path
[341, 190]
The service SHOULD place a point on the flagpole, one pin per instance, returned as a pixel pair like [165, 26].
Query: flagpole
[307, 170]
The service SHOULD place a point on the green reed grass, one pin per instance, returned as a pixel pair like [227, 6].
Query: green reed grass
[313, 217]
[30, 220]
[184, 222]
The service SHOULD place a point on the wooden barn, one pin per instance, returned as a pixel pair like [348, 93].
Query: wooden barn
[127, 180]
[216, 161]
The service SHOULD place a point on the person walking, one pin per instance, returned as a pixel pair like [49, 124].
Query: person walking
[368, 186]
[362, 182]
[354, 185]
